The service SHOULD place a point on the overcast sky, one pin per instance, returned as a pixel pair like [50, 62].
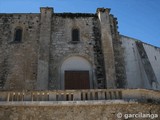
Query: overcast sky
[139, 19]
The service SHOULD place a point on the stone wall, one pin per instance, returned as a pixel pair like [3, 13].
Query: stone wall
[139, 60]
[120, 71]
[98, 56]
[44, 48]
[62, 46]
[105, 110]
[18, 61]
[36, 61]
[107, 47]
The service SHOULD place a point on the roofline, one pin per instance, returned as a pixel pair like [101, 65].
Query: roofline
[139, 40]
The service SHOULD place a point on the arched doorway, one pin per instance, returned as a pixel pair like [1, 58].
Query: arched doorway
[76, 73]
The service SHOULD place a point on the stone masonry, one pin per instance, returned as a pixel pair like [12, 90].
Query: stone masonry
[37, 62]
[43, 56]
[80, 112]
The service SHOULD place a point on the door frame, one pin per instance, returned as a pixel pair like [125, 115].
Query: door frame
[87, 67]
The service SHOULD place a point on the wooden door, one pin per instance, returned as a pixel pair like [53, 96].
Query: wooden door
[77, 80]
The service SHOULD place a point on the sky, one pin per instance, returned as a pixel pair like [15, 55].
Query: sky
[138, 19]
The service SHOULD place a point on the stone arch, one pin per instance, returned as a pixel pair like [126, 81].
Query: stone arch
[75, 63]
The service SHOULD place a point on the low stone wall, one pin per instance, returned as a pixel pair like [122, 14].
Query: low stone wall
[139, 95]
[61, 95]
[105, 104]
[72, 110]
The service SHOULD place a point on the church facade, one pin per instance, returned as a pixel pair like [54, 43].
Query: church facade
[61, 51]
[75, 66]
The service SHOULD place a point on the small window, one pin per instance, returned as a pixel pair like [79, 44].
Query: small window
[155, 57]
[75, 35]
[18, 35]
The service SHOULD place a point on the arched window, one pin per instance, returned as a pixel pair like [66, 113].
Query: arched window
[18, 35]
[75, 35]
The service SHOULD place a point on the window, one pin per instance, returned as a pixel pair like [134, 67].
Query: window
[18, 35]
[75, 35]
